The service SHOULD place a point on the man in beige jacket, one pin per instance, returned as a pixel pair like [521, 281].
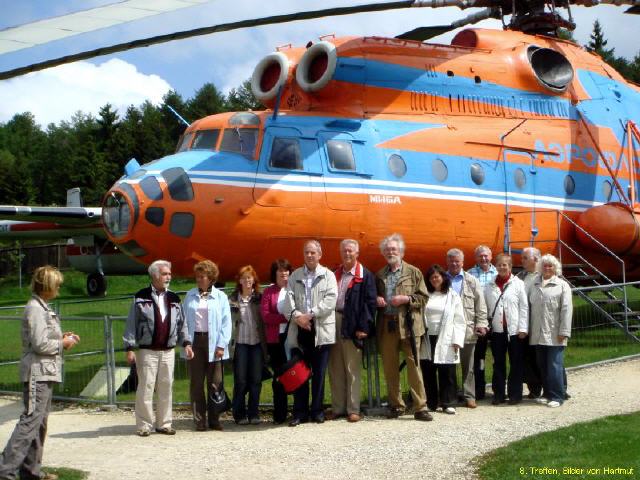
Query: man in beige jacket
[475, 314]
[312, 292]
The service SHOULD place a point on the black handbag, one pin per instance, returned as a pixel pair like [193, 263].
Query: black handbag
[218, 401]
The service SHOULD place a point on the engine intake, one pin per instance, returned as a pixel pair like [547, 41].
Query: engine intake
[317, 66]
[551, 68]
[269, 75]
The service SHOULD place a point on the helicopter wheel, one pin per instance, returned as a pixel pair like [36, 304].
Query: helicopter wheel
[96, 285]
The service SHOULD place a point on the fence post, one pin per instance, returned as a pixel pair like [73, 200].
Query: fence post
[109, 364]
[113, 361]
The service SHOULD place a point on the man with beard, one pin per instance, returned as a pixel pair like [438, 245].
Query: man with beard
[401, 292]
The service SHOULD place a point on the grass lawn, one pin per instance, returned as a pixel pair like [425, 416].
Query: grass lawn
[67, 473]
[606, 448]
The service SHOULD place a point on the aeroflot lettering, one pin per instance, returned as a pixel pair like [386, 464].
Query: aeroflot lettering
[392, 199]
[586, 156]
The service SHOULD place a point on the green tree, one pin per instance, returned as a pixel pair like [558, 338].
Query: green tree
[26, 142]
[207, 101]
[598, 43]
[175, 127]
[565, 34]
[15, 181]
[242, 98]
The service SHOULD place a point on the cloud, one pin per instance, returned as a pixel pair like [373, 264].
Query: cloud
[56, 94]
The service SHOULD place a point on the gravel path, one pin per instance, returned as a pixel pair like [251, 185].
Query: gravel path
[105, 445]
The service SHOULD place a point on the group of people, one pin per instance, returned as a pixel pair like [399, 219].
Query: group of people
[447, 317]
[324, 317]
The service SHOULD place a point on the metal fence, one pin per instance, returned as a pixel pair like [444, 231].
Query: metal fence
[96, 370]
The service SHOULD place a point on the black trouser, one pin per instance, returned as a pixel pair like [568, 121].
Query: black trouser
[501, 344]
[479, 355]
[201, 372]
[439, 380]
[532, 374]
[247, 378]
[277, 358]
[317, 359]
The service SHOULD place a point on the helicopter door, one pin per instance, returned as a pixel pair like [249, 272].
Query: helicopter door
[289, 167]
[343, 182]
[520, 196]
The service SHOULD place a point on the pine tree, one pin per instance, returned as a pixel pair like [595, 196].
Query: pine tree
[242, 98]
[207, 101]
[598, 43]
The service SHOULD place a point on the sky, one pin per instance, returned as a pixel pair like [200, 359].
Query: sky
[225, 59]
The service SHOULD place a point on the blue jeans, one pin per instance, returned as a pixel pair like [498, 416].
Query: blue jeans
[247, 378]
[550, 360]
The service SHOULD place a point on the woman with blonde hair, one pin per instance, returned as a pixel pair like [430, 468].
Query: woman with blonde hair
[250, 349]
[208, 317]
[40, 369]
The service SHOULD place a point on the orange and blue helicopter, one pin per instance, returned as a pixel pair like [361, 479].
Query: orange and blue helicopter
[504, 138]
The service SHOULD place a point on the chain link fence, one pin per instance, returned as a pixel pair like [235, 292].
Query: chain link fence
[96, 370]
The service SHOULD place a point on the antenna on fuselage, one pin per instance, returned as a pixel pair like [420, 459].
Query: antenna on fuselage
[178, 115]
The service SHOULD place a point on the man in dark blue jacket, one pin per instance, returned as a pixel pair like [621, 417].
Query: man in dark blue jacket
[355, 313]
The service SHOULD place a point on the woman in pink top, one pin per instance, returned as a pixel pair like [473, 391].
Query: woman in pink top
[275, 324]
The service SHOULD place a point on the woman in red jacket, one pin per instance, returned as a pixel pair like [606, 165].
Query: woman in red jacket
[275, 324]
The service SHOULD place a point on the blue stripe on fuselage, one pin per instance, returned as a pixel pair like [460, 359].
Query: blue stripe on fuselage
[400, 77]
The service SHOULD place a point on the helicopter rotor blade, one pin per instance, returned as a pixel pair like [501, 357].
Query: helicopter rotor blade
[224, 27]
[425, 33]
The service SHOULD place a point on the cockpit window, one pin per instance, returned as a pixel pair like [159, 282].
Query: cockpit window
[239, 140]
[285, 153]
[341, 155]
[178, 183]
[205, 140]
[184, 141]
[151, 188]
[182, 224]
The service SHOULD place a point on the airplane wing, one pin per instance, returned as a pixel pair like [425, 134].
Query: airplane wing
[50, 29]
[14, 230]
[74, 220]
[78, 216]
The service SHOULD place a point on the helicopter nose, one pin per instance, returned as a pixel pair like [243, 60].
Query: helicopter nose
[119, 212]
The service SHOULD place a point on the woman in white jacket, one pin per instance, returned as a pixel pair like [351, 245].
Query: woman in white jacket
[445, 326]
[508, 311]
[551, 312]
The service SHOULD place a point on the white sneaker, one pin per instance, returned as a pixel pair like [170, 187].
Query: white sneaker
[553, 404]
[450, 410]
[541, 400]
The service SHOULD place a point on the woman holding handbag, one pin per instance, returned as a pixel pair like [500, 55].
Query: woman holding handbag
[445, 326]
[209, 322]
[275, 325]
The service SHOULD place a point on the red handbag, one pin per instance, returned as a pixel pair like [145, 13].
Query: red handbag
[295, 373]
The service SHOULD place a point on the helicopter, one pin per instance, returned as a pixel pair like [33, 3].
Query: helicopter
[504, 138]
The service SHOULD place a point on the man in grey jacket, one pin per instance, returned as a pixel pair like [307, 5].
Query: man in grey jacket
[312, 292]
[155, 325]
[475, 314]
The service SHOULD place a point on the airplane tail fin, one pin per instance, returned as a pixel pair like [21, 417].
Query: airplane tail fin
[74, 197]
